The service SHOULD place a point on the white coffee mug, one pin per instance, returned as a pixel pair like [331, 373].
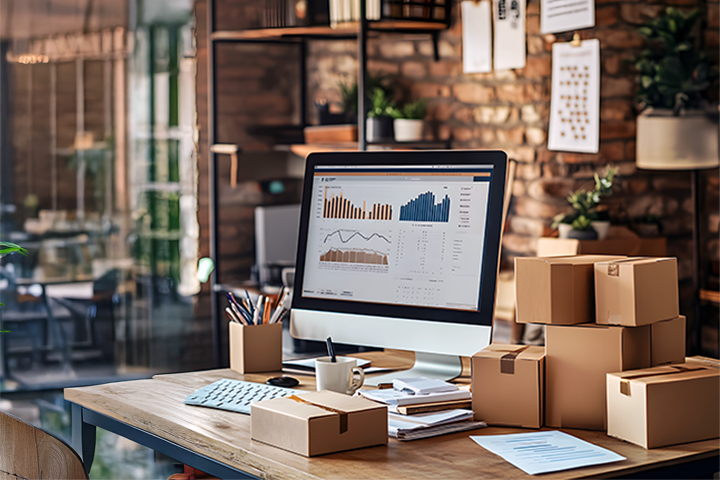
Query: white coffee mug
[339, 376]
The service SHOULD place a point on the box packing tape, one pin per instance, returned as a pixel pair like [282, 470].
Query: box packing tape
[507, 361]
[625, 382]
[343, 415]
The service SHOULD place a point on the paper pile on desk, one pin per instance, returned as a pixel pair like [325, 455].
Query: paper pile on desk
[391, 396]
[424, 425]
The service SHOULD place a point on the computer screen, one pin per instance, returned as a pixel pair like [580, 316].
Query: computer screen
[400, 235]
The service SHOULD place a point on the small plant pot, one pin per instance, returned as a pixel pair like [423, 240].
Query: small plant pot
[564, 229]
[583, 234]
[602, 227]
[379, 129]
[408, 130]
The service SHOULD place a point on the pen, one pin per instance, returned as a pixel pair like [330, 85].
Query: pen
[231, 315]
[251, 306]
[331, 350]
[256, 315]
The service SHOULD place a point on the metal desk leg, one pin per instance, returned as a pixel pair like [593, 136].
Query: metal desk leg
[54, 324]
[83, 437]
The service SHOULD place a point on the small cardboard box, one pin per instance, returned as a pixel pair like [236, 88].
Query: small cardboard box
[636, 291]
[556, 290]
[577, 358]
[668, 341]
[508, 385]
[664, 405]
[256, 348]
[316, 423]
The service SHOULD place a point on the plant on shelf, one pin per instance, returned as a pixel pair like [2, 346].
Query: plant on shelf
[409, 119]
[349, 93]
[675, 129]
[586, 221]
[380, 120]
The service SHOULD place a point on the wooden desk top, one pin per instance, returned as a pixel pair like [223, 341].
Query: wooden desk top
[156, 406]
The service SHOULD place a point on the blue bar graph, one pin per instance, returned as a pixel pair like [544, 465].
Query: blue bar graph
[424, 209]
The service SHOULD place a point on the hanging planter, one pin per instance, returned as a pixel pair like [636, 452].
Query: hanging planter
[684, 142]
[673, 132]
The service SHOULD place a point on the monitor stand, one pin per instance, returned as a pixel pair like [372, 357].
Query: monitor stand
[429, 365]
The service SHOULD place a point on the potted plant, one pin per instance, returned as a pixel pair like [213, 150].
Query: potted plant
[673, 130]
[6, 248]
[585, 222]
[379, 125]
[349, 93]
[408, 123]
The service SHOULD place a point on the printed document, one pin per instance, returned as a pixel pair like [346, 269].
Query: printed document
[566, 15]
[542, 452]
[575, 97]
[477, 36]
[509, 28]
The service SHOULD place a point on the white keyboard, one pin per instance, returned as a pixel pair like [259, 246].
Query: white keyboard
[235, 395]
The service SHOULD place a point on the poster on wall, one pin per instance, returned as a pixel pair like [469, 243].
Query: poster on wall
[575, 97]
[509, 28]
[477, 36]
[566, 15]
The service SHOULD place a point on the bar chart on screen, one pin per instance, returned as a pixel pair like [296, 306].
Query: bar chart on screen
[336, 205]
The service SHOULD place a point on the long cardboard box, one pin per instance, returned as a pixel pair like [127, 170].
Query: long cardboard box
[508, 385]
[636, 291]
[316, 423]
[556, 290]
[664, 405]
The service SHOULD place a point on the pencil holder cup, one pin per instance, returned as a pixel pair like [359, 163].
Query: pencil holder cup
[256, 348]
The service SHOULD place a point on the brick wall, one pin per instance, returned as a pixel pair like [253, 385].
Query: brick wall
[509, 110]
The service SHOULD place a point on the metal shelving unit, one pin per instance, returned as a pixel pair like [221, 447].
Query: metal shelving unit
[392, 20]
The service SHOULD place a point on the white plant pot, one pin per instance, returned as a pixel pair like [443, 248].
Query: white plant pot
[408, 130]
[601, 227]
[564, 229]
[686, 142]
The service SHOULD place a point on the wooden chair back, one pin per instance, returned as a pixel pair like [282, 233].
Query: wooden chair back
[26, 452]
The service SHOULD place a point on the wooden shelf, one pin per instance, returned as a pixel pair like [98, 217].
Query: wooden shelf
[346, 29]
[305, 149]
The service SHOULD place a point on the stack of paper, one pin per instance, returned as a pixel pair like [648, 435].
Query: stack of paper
[423, 386]
[391, 396]
[424, 425]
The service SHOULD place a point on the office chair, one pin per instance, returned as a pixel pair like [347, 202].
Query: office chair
[29, 452]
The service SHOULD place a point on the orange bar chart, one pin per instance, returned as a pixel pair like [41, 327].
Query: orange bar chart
[336, 206]
[354, 255]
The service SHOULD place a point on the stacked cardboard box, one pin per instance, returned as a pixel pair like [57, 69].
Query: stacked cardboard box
[603, 314]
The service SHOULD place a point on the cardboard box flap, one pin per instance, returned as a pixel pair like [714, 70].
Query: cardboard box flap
[707, 361]
[573, 259]
[338, 401]
[663, 374]
[637, 260]
[522, 352]
[304, 411]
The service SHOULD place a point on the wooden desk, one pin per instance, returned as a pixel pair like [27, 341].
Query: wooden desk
[152, 413]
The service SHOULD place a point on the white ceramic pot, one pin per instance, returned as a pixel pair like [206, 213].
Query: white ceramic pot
[686, 142]
[408, 130]
[564, 229]
[601, 227]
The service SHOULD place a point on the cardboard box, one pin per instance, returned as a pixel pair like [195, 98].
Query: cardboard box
[636, 291]
[556, 290]
[256, 348]
[664, 405]
[668, 341]
[620, 241]
[577, 359]
[508, 385]
[706, 361]
[316, 423]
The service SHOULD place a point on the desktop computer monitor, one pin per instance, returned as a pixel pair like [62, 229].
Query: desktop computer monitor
[400, 250]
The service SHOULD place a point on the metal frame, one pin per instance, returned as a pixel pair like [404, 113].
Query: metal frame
[85, 421]
[301, 40]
